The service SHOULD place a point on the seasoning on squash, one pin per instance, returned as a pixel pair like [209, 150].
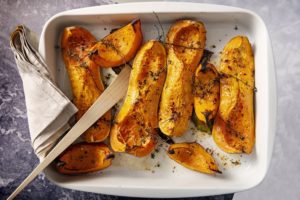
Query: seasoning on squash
[135, 129]
[84, 158]
[85, 78]
[193, 156]
[185, 44]
[206, 96]
[234, 130]
[119, 47]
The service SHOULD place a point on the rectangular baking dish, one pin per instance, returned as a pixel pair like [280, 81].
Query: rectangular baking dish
[159, 176]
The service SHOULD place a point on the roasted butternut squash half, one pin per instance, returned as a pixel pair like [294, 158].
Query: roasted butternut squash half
[135, 125]
[233, 130]
[193, 156]
[85, 78]
[185, 43]
[83, 158]
[118, 47]
[206, 96]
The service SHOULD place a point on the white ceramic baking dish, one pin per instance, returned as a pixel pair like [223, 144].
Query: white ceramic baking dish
[134, 177]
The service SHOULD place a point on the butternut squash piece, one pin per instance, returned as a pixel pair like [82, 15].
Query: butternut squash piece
[135, 125]
[185, 43]
[83, 158]
[206, 96]
[118, 47]
[193, 156]
[85, 78]
[233, 130]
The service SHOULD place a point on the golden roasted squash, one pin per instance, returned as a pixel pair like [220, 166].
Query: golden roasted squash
[193, 156]
[206, 96]
[135, 125]
[185, 43]
[233, 130]
[85, 78]
[83, 158]
[118, 47]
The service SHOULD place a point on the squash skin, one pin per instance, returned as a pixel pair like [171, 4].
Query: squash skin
[193, 156]
[234, 128]
[135, 125]
[85, 79]
[185, 43]
[84, 158]
[118, 47]
[206, 96]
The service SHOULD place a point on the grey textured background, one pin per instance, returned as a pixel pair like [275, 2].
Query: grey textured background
[16, 156]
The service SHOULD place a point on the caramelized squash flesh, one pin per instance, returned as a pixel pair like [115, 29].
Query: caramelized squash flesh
[85, 78]
[193, 156]
[185, 43]
[135, 125]
[118, 47]
[84, 158]
[233, 130]
[206, 96]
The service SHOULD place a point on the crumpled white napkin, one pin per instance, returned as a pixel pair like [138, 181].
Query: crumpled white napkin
[48, 109]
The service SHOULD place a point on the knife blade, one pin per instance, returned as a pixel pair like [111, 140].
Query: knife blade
[111, 95]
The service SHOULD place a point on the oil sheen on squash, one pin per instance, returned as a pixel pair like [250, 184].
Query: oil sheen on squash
[84, 158]
[85, 78]
[118, 47]
[206, 96]
[135, 125]
[185, 43]
[193, 156]
[233, 130]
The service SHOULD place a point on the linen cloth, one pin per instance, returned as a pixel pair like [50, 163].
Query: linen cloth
[48, 109]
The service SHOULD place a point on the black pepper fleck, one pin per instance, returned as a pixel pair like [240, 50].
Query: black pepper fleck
[152, 155]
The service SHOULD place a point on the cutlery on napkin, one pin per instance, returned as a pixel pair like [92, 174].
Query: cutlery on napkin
[48, 109]
[39, 86]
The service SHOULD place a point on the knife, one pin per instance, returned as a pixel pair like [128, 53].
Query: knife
[111, 95]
